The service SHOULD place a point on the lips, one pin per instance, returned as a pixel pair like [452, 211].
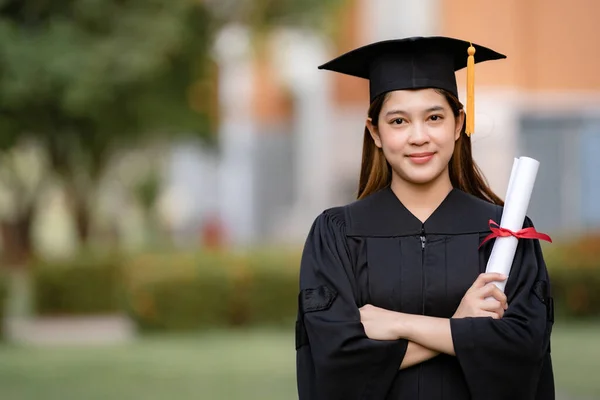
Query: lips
[420, 158]
[420, 155]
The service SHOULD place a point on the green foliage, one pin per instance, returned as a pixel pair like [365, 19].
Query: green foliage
[173, 292]
[272, 288]
[576, 292]
[89, 67]
[147, 190]
[263, 15]
[167, 292]
[87, 78]
[574, 269]
[81, 286]
[197, 291]
[100, 71]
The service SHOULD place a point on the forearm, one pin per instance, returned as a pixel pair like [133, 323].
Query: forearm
[430, 332]
[416, 354]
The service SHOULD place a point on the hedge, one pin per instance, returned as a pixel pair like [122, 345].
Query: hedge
[88, 284]
[574, 269]
[178, 292]
[201, 290]
[182, 292]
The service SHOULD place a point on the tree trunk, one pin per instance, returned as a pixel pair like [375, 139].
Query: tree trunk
[80, 211]
[82, 221]
[16, 240]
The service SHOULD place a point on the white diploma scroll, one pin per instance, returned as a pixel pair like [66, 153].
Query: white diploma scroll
[512, 176]
[518, 194]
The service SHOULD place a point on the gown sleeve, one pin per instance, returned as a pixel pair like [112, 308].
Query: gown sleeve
[505, 358]
[335, 358]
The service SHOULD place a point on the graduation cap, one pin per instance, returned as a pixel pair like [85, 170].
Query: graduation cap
[415, 63]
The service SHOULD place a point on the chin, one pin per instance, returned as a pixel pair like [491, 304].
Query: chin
[421, 178]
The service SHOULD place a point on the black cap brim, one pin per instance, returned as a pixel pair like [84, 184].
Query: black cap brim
[410, 63]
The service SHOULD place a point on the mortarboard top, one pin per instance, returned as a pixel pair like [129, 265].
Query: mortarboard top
[415, 63]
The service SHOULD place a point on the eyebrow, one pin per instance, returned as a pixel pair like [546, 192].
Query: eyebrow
[430, 109]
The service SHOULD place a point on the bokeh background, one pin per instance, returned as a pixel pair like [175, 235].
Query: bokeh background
[161, 162]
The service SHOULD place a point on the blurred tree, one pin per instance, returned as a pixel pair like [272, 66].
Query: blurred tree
[21, 182]
[262, 16]
[85, 78]
[146, 192]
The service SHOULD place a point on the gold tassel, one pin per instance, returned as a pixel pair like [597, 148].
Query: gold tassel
[470, 91]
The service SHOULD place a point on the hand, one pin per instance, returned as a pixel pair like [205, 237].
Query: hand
[483, 299]
[379, 323]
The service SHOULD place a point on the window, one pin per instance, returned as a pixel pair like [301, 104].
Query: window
[566, 195]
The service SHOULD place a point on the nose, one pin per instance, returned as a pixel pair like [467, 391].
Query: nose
[418, 135]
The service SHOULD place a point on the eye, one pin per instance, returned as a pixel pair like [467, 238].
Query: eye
[397, 121]
[436, 118]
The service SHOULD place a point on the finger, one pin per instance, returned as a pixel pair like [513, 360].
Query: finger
[499, 311]
[498, 294]
[491, 290]
[490, 304]
[504, 304]
[485, 278]
[487, 291]
[493, 305]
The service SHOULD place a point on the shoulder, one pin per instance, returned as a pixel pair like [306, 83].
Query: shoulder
[330, 222]
[369, 216]
[335, 215]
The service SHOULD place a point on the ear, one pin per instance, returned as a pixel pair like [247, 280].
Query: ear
[460, 120]
[374, 132]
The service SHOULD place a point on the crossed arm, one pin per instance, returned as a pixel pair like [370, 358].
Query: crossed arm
[427, 336]
[416, 354]
[430, 336]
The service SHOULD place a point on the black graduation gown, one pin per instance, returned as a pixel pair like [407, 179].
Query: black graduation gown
[374, 251]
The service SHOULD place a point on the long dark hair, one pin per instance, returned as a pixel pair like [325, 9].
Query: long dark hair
[376, 172]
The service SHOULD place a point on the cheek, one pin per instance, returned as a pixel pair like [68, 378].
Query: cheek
[446, 139]
[392, 140]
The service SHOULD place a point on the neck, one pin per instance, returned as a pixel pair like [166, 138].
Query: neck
[422, 199]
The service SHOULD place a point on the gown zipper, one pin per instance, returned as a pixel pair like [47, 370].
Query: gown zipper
[423, 243]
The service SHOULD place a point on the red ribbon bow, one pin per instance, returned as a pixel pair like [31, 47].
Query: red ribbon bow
[525, 233]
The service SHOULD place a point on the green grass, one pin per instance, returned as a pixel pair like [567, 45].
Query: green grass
[576, 357]
[220, 365]
[248, 365]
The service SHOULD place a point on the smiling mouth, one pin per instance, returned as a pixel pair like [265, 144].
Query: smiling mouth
[421, 155]
[421, 158]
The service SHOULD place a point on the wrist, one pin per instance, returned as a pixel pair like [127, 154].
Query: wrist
[402, 326]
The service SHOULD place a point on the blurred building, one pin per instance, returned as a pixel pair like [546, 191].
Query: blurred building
[291, 135]
[544, 100]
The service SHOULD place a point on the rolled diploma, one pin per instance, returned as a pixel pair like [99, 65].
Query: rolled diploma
[515, 209]
[512, 176]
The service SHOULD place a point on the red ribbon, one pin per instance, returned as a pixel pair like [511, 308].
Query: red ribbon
[525, 233]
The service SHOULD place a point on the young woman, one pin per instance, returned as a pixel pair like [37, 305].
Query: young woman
[394, 302]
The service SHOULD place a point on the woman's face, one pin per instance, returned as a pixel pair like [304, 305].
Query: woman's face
[416, 131]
